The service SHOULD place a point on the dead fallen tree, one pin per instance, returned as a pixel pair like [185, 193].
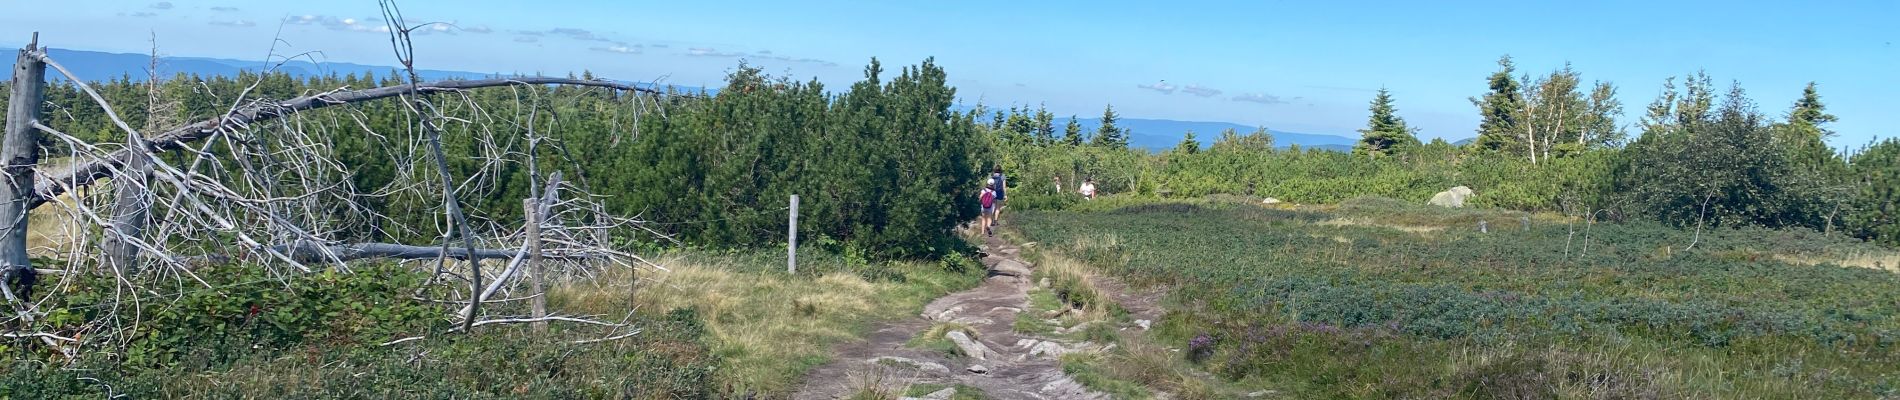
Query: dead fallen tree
[87, 173]
[258, 185]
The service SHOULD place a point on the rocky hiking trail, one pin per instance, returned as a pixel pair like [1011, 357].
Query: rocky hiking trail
[998, 361]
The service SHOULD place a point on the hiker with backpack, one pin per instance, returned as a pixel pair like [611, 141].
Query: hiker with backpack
[987, 199]
[997, 182]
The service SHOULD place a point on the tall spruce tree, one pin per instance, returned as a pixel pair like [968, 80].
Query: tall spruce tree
[1385, 131]
[1497, 131]
[1109, 135]
[1045, 126]
[1072, 135]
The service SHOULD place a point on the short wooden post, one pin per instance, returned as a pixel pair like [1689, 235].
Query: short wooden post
[536, 271]
[791, 243]
[20, 151]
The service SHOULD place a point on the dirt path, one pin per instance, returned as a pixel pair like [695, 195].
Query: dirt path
[1013, 365]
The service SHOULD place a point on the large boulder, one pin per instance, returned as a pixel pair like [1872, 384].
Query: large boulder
[1454, 197]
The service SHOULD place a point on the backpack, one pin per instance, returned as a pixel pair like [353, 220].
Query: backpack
[988, 198]
[996, 181]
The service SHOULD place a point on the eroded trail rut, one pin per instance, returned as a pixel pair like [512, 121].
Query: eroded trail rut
[1012, 365]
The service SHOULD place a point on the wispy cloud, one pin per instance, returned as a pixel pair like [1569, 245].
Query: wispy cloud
[711, 52]
[224, 9]
[143, 14]
[1202, 91]
[526, 39]
[578, 34]
[1161, 86]
[1261, 98]
[757, 55]
[234, 24]
[163, 5]
[341, 24]
[619, 48]
[479, 29]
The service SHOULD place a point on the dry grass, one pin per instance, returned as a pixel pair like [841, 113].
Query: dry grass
[1872, 259]
[1416, 229]
[768, 327]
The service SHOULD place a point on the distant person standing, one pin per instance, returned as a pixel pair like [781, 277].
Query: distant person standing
[1088, 189]
[1058, 184]
[987, 199]
[997, 182]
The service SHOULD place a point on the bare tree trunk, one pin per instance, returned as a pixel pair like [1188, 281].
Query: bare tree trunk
[130, 206]
[536, 270]
[21, 152]
[1530, 128]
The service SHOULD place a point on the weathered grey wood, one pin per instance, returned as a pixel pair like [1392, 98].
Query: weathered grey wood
[791, 243]
[20, 151]
[86, 173]
[312, 253]
[130, 207]
[536, 270]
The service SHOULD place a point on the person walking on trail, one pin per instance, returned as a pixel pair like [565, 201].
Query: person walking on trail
[987, 199]
[997, 182]
[1088, 189]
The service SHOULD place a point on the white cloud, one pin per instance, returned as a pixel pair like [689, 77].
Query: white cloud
[711, 52]
[340, 24]
[1202, 91]
[224, 9]
[1161, 86]
[621, 48]
[1261, 98]
[163, 5]
[526, 39]
[481, 29]
[142, 14]
[234, 24]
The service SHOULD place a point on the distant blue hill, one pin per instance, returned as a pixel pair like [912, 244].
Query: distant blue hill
[102, 66]
[1162, 134]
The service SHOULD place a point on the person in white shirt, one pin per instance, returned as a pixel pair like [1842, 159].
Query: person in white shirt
[1088, 189]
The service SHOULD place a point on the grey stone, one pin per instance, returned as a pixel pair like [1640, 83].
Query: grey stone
[1270, 200]
[1454, 198]
[969, 347]
[977, 369]
[1144, 324]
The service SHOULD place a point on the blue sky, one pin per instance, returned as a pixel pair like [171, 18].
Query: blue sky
[1306, 66]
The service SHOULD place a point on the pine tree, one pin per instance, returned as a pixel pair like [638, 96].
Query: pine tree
[1499, 108]
[1385, 131]
[1109, 135]
[1045, 126]
[1072, 135]
[1188, 145]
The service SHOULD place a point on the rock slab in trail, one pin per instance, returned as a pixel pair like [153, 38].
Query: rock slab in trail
[970, 347]
[925, 366]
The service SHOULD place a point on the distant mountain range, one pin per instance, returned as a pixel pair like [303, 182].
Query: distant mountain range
[1152, 134]
[1162, 134]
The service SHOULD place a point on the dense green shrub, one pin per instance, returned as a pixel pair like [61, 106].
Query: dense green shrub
[1342, 307]
[1876, 211]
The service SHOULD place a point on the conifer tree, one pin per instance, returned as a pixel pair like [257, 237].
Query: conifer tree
[1385, 131]
[1072, 135]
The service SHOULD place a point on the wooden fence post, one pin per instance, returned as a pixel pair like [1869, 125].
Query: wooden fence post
[20, 151]
[536, 271]
[791, 245]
